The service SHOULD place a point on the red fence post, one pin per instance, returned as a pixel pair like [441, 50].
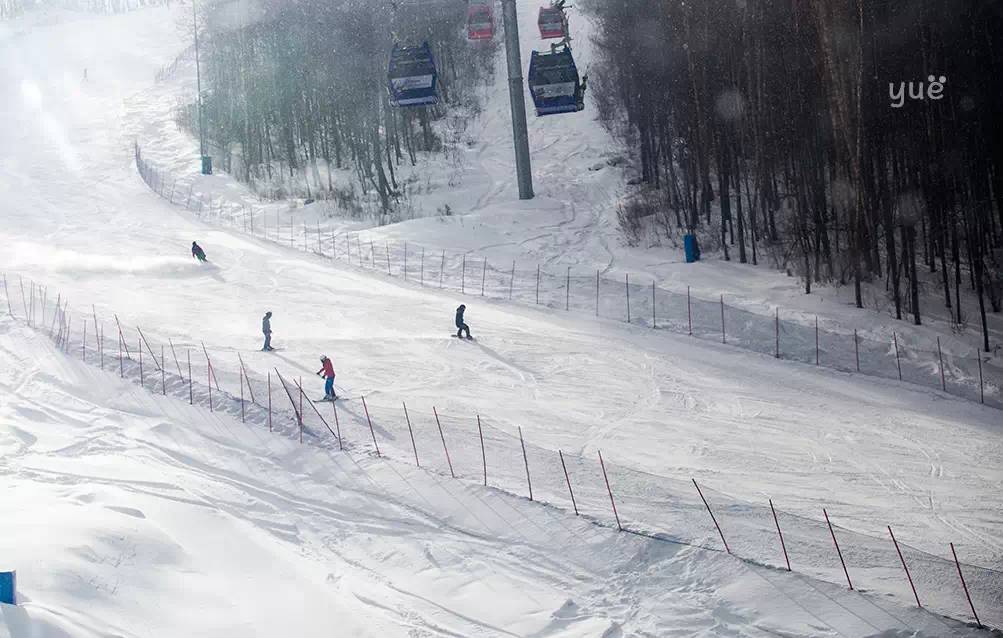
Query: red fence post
[568, 480]
[898, 362]
[242, 396]
[24, 304]
[442, 268]
[142, 378]
[269, 400]
[317, 412]
[567, 291]
[299, 414]
[904, 566]
[712, 517]
[388, 259]
[463, 275]
[337, 425]
[965, 586]
[525, 460]
[484, 456]
[484, 274]
[838, 552]
[66, 337]
[191, 391]
[781, 534]
[55, 313]
[243, 369]
[943, 379]
[611, 501]
[6, 294]
[208, 375]
[175, 355]
[209, 363]
[124, 344]
[148, 348]
[626, 284]
[411, 432]
[982, 391]
[121, 362]
[538, 284]
[301, 378]
[163, 371]
[654, 321]
[856, 348]
[443, 437]
[371, 430]
[724, 338]
[776, 324]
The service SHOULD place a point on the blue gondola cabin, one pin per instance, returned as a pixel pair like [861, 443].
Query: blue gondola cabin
[554, 82]
[412, 78]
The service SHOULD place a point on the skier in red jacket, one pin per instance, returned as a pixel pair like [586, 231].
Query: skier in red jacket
[327, 372]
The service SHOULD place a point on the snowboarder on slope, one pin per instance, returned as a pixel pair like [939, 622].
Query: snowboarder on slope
[327, 372]
[459, 322]
[197, 252]
[266, 329]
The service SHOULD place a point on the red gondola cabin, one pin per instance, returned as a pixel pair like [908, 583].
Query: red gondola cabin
[480, 22]
[553, 23]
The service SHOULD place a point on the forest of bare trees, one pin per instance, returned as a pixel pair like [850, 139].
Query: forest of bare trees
[291, 88]
[851, 140]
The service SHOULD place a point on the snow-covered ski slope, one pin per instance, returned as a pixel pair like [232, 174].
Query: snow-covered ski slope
[77, 217]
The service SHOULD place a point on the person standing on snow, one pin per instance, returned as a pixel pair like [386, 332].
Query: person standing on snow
[197, 252]
[266, 329]
[327, 372]
[459, 322]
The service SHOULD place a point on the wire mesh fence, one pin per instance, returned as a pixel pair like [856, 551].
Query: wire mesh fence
[476, 449]
[973, 376]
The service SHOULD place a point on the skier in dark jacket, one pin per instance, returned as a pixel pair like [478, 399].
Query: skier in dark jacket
[197, 252]
[266, 329]
[459, 322]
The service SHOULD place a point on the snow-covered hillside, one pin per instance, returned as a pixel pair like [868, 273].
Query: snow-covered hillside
[128, 514]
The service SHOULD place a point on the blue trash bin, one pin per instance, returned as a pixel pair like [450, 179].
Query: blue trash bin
[691, 248]
[8, 588]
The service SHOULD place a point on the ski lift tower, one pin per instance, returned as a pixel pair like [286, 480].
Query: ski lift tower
[520, 136]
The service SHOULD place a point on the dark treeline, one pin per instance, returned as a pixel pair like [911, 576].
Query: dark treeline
[290, 87]
[851, 140]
